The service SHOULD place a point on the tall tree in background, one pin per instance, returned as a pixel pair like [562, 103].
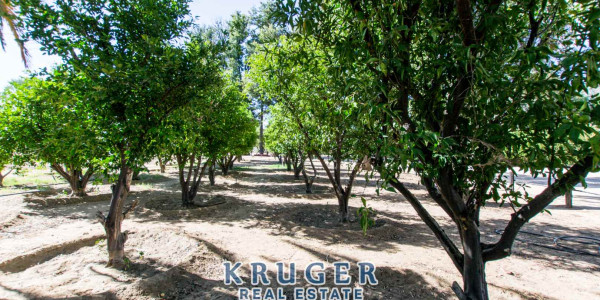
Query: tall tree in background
[237, 29]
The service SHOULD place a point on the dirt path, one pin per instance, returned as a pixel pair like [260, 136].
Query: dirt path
[51, 246]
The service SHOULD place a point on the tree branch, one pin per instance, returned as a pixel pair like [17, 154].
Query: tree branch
[101, 218]
[574, 176]
[455, 254]
[130, 208]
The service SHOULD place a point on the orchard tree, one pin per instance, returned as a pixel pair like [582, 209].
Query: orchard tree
[313, 89]
[47, 123]
[136, 75]
[283, 136]
[6, 149]
[184, 142]
[5, 158]
[232, 131]
[466, 91]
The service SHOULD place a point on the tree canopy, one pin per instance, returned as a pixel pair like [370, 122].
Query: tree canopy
[462, 92]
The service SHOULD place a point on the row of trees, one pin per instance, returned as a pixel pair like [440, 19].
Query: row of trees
[137, 82]
[318, 109]
[459, 92]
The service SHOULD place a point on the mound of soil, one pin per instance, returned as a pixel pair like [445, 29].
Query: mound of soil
[150, 271]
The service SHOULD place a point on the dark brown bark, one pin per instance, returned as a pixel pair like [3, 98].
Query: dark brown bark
[309, 180]
[503, 247]
[288, 163]
[226, 163]
[298, 164]
[447, 244]
[342, 194]
[113, 221]
[512, 180]
[75, 177]
[261, 138]
[472, 263]
[211, 172]
[162, 165]
[136, 175]
[190, 183]
[569, 199]
[474, 283]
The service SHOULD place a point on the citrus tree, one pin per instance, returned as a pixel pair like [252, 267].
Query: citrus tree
[233, 130]
[47, 123]
[308, 84]
[7, 149]
[466, 91]
[283, 136]
[216, 127]
[136, 75]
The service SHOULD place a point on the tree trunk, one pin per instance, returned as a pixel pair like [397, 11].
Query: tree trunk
[569, 199]
[474, 283]
[231, 162]
[261, 140]
[2, 176]
[308, 181]
[76, 189]
[189, 184]
[226, 164]
[288, 163]
[298, 166]
[211, 173]
[75, 177]
[136, 175]
[343, 207]
[224, 169]
[341, 193]
[112, 223]
[162, 165]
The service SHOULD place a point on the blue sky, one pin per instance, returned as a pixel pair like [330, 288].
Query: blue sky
[204, 11]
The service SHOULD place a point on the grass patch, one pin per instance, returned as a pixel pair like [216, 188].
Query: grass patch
[274, 167]
[32, 178]
[241, 168]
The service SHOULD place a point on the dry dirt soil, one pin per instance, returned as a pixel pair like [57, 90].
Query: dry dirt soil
[51, 246]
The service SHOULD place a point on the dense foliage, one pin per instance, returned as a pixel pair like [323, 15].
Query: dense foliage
[464, 91]
[321, 103]
[459, 92]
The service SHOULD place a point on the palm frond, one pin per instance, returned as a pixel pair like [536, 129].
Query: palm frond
[8, 15]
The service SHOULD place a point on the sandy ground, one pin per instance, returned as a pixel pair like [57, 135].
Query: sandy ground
[51, 247]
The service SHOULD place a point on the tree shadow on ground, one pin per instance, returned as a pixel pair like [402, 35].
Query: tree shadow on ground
[543, 248]
[287, 190]
[109, 295]
[394, 283]
[320, 222]
[294, 219]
